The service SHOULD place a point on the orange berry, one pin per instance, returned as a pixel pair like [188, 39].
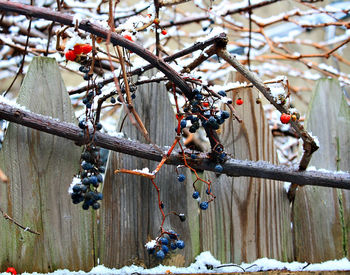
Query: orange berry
[285, 118]
[239, 101]
[99, 40]
[164, 32]
[127, 36]
[70, 55]
[86, 48]
[78, 49]
[156, 21]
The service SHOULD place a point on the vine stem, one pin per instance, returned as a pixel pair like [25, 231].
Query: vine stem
[232, 167]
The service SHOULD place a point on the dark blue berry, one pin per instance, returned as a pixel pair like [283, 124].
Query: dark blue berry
[86, 165]
[204, 205]
[225, 114]
[99, 178]
[85, 100]
[172, 235]
[173, 246]
[82, 124]
[100, 85]
[160, 255]
[222, 93]
[181, 178]
[86, 76]
[76, 188]
[180, 244]
[218, 168]
[193, 129]
[98, 196]
[88, 105]
[193, 156]
[98, 92]
[98, 126]
[96, 206]
[90, 95]
[165, 249]
[195, 195]
[189, 117]
[182, 217]
[85, 181]
[85, 206]
[164, 241]
[198, 96]
[113, 100]
[194, 119]
[183, 123]
[133, 96]
[151, 250]
[102, 169]
[93, 180]
[83, 188]
[208, 191]
[212, 120]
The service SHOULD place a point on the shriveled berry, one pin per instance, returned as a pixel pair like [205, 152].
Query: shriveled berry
[180, 244]
[204, 205]
[195, 195]
[181, 178]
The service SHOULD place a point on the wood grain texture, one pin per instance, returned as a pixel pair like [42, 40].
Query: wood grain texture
[130, 215]
[322, 215]
[40, 168]
[250, 218]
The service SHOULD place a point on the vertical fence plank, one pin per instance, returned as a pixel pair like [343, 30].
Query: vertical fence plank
[40, 168]
[130, 215]
[321, 215]
[250, 217]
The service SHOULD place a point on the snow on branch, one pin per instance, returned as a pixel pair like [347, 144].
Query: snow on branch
[232, 167]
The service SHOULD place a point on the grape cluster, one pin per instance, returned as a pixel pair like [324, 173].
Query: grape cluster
[163, 245]
[200, 111]
[91, 177]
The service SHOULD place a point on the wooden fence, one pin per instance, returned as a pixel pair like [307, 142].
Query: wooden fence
[250, 219]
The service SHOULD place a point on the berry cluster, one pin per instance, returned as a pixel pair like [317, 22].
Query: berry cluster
[78, 50]
[87, 189]
[162, 245]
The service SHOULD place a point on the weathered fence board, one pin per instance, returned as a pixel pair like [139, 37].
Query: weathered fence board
[40, 168]
[321, 215]
[130, 215]
[250, 218]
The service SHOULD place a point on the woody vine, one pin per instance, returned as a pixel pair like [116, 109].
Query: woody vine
[201, 106]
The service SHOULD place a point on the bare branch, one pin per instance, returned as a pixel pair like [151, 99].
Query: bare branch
[232, 167]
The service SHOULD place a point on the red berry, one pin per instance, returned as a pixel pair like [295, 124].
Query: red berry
[205, 104]
[164, 32]
[239, 101]
[285, 118]
[70, 55]
[78, 49]
[127, 36]
[86, 48]
[11, 270]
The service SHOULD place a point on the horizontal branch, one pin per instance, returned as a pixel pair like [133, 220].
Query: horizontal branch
[232, 167]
